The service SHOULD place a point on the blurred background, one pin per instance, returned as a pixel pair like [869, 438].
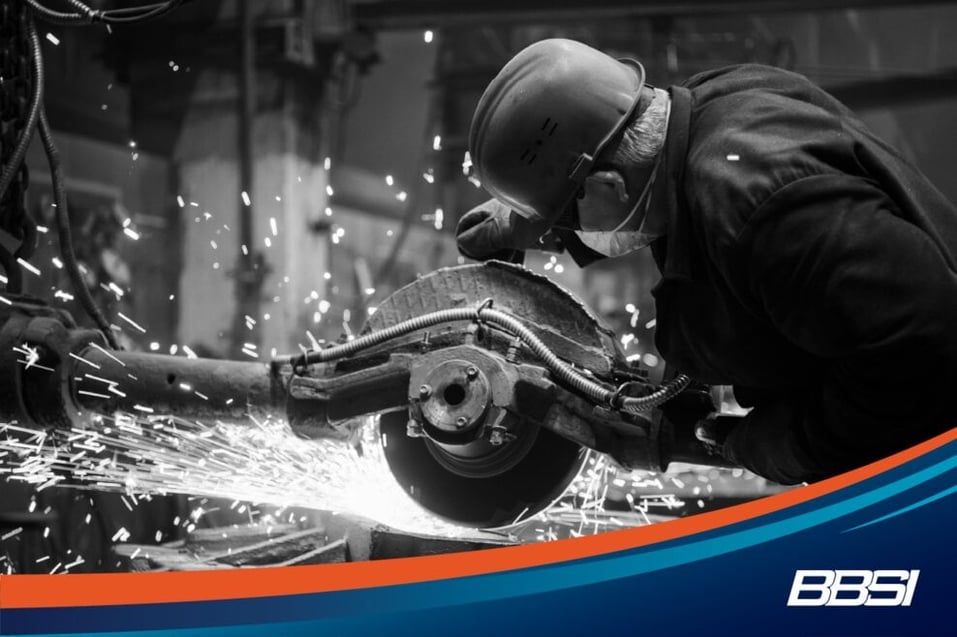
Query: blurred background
[247, 177]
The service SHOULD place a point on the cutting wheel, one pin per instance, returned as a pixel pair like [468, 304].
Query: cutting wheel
[529, 486]
[478, 484]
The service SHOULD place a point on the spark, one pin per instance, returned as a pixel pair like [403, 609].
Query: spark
[258, 461]
[83, 360]
[246, 200]
[93, 394]
[132, 234]
[273, 226]
[180, 201]
[437, 142]
[52, 38]
[33, 356]
[14, 532]
[131, 322]
[29, 267]
[428, 36]
[107, 353]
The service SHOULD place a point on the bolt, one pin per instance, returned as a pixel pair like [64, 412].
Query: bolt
[496, 436]
[461, 422]
[414, 429]
[513, 350]
[425, 391]
[471, 372]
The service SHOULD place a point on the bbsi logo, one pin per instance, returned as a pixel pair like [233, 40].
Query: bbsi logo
[853, 588]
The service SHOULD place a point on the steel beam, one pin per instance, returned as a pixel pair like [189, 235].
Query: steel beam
[430, 14]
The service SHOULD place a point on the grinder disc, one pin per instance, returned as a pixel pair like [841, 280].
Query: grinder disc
[529, 486]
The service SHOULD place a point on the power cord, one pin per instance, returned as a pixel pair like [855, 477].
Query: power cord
[87, 15]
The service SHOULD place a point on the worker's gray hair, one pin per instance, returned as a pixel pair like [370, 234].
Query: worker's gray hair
[644, 137]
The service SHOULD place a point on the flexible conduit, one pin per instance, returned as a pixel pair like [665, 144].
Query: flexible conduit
[563, 372]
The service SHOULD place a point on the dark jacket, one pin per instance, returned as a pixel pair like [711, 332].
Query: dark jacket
[811, 266]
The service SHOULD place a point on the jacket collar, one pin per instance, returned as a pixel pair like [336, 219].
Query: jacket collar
[672, 252]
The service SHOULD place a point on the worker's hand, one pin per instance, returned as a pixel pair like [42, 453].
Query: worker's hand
[492, 231]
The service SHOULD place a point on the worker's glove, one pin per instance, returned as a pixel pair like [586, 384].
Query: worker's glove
[492, 231]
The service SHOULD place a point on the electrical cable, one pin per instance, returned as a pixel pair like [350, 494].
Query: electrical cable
[88, 15]
[36, 119]
[562, 371]
[16, 159]
[66, 236]
[55, 17]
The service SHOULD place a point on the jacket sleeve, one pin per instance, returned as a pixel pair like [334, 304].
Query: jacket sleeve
[833, 266]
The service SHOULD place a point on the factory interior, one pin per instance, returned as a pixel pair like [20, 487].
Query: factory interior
[252, 185]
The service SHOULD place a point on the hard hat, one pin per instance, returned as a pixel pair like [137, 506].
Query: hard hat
[545, 118]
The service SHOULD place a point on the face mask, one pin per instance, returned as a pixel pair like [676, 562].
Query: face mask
[616, 242]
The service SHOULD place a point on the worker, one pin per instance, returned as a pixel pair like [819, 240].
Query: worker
[803, 260]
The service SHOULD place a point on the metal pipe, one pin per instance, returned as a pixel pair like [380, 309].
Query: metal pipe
[196, 389]
[248, 278]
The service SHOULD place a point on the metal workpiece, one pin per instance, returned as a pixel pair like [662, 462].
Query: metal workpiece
[37, 344]
[327, 404]
[106, 381]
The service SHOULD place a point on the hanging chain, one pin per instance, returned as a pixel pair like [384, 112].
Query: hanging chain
[17, 228]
